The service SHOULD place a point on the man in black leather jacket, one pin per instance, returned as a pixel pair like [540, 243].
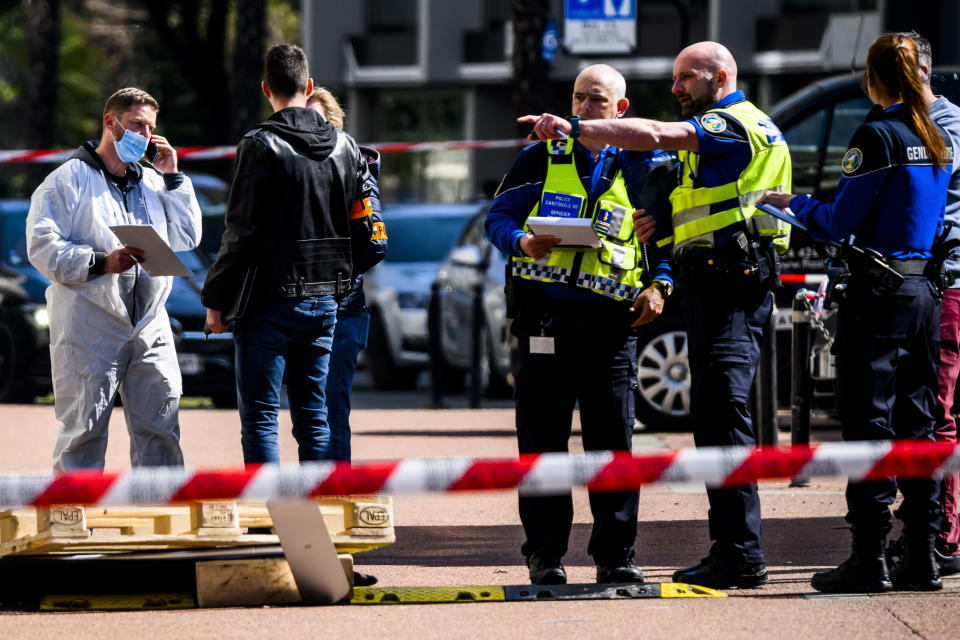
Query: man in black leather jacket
[285, 257]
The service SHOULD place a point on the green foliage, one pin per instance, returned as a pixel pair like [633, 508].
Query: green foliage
[84, 77]
[13, 64]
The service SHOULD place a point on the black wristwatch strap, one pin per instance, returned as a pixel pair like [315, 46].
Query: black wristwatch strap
[574, 127]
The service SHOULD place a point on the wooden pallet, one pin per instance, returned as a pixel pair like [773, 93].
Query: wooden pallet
[355, 523]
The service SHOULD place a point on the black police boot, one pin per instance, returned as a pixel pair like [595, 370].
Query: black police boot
[865, 571]
[720, 573]
[918, 570]
[948, 563]
[545, 568]
[363, 579]
[619, 572]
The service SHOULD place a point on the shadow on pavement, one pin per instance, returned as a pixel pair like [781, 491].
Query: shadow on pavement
[442, 433]
[788, 541]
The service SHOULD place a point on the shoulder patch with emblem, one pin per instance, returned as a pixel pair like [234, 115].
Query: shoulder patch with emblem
[713, 123]
[851, 161]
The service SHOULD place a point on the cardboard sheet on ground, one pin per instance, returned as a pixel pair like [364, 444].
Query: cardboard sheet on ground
[159, 259]
[573, 232]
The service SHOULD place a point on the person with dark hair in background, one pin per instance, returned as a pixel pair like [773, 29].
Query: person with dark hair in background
[725, 257]
[109, 330]
[353, 318]
[286, 256]
[891, 196]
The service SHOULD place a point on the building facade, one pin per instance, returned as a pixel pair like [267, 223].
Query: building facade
[434, 70]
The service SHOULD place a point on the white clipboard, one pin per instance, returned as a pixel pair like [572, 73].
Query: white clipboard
[573, 232]
[158, 258]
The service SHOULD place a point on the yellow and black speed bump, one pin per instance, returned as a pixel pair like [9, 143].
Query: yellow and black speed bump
[124, 602]
[609, 591]
[519, 593]
[425, 595]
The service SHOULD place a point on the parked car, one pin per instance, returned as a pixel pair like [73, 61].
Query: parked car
[663, 374]
[207, 365]
[398, 289]
[472, 262]
[24, 340]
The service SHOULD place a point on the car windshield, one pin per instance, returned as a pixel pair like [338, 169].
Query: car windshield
[423, 238]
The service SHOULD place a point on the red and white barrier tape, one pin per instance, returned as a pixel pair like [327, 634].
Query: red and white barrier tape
[540, 474]
[214, 153]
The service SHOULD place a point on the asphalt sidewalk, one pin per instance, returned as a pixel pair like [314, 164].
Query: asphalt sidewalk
[474, 539]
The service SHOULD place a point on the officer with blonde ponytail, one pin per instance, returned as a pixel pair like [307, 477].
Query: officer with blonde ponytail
[891, 198]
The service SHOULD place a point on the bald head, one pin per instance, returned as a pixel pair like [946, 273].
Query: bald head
[599, 92]
[711, 56]
[702, 74]
[606, 75]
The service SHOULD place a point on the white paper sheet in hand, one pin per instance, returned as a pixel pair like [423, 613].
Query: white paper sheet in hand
[158, 258]
[573, 232]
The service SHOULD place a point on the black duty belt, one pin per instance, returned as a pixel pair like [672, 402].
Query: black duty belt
[909, 267]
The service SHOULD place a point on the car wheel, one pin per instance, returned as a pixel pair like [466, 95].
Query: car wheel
[386, 374]
[8, 361]
[663, 378]
[495, 385]
[12, 388]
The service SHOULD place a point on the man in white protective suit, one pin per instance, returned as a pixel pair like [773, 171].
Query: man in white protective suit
[109, 331]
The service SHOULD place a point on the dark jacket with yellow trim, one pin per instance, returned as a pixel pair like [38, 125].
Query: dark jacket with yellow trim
[355, 302]
[290, 215]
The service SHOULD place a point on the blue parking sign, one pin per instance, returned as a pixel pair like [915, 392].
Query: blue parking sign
[600, 26]
[600, 9]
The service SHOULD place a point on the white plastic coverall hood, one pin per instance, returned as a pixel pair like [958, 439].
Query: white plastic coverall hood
[94, 346]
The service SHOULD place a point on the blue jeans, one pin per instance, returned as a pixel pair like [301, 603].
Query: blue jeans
[348, 339]
[296, 336]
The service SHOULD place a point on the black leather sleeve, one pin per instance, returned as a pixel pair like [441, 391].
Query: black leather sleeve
[245, 209]
[361, 217]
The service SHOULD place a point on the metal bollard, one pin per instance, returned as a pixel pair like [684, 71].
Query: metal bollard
[800, 344]
[476, 348]
[433, 346]
[765, 386]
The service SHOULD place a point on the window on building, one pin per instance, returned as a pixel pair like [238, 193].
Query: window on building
[423, 116]
[390, 37]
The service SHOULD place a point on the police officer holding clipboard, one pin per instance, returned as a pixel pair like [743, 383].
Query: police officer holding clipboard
[891, 198]
[572, 310]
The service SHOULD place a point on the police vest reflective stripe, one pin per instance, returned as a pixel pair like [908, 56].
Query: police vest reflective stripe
[700, 211]
[614, 270]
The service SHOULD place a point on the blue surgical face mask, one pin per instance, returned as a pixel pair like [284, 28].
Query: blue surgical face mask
[131, 146]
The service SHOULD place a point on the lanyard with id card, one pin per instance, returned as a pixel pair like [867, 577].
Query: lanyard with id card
[543, 344]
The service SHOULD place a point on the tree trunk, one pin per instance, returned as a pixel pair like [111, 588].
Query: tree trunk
[200, 52]
[531, 73]
[42, 35]
[246, 99]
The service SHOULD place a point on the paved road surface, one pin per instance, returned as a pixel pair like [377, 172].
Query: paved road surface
[473, 539]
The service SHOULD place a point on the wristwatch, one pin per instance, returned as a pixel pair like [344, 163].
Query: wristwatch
[574, 127]
[666, 288]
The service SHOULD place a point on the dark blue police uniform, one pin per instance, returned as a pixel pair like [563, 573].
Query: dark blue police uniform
[594, 359]
[725, 320]
[890, 198]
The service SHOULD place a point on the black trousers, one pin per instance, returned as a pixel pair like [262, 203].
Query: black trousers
[593, 364]
[887, 351]
[725, 324]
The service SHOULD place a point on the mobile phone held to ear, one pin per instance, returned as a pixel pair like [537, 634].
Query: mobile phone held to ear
[151, 152]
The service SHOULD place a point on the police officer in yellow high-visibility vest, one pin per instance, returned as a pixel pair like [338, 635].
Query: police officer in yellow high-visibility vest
[573, 307]
[725, 254]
